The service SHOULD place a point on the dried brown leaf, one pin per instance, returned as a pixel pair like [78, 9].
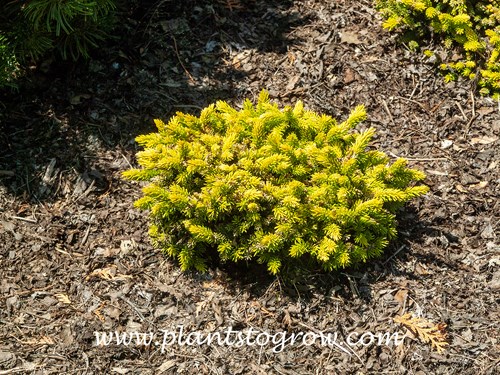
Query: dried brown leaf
[425, 330]
[63, 298]
[401, 296]
[107, 273]
[44, 340]
[98, 313]
[350, 37]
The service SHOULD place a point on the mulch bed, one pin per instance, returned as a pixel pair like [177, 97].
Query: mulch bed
[75, 256]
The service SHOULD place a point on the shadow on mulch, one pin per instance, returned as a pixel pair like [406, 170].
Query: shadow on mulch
[353, 282]
[167, 59]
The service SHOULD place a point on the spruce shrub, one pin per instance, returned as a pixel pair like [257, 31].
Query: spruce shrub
[471, 26]
[270, 185]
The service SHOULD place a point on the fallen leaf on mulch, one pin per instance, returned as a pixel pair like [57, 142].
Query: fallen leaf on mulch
[241, 57]
[421, 269]
[485, 110]
[98, 313]
[293, 81]
[425, 330]
[44, 340]
[349, 37]
[63, 298]
[165, 366]
[107, 273]
[401, 296]
[349, 76]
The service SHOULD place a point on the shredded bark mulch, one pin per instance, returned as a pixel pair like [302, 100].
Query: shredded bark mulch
[75, 255]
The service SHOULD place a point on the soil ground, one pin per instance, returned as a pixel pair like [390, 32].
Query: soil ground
[75, 256]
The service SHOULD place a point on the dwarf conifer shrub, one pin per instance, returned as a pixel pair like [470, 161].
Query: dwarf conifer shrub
[471, 26]
[270, 185]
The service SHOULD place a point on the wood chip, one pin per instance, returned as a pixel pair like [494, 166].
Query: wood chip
[485, 140]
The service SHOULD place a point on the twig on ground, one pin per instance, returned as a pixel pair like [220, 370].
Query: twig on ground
[128, 162]
[467, 127]
[84, 239]
[388, 112]
[34, 221]
[414, 90]
[436, 107]
[415, 102]
[462, 111]
[426, 159]
[393, 255]
[86, 192]
[473, 103]
[134, 307]
[180, 60]
[416, 159]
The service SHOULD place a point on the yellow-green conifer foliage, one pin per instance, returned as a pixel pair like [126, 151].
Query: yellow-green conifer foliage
[270, 185]
[473, 26]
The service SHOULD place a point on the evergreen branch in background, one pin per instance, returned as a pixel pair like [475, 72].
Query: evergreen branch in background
[472, 26]
[30, 29]
[8, 63]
